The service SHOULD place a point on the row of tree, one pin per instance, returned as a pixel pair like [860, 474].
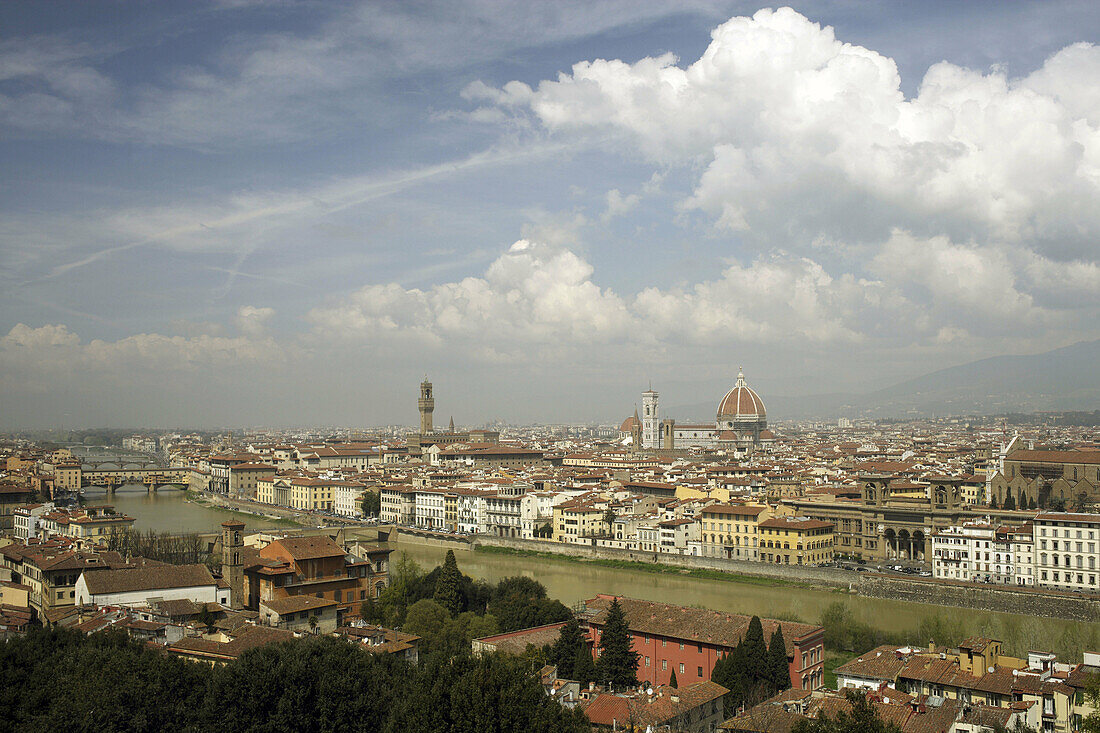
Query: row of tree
[63, 680]
[754, 670]
[176, 549]
[617, 663]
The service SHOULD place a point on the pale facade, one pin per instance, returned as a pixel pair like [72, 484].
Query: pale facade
[1066, 556]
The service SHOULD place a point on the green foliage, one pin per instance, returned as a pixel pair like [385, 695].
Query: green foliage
[672, 680]
[1091, 723]
[584, 669]
[62, 680]
[779, 674]
[59, 679]
[756, 651]
[1010, 502]
[563, 651]
[371, 504]
[520, 602]
[447, 586]
[405, 577]
[862, 718]
[428, 620]
[493, 692]
[618, 662]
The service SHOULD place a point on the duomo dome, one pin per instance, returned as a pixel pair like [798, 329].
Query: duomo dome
[741, 408]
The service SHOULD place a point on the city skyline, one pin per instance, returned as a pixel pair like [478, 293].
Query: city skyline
[267, 213]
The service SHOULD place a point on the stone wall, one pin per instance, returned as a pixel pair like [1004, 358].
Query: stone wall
[431, 539]
[1071, 606]
[812, 575]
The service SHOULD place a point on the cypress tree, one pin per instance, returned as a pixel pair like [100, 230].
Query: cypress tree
[448, 587]
[563, 652]
[756, 651]
[1010, 502]
[584, 669]
[777, 661]
[618, 662]
[992, 502]
[672, 680]
[738, 679]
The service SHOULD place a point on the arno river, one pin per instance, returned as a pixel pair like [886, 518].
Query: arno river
[571, 581]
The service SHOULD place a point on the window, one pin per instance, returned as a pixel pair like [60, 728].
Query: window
[681, 667]
[647, 661]
[700, 673]
[664, 664]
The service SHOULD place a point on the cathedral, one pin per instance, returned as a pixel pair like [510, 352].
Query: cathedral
[740, 424]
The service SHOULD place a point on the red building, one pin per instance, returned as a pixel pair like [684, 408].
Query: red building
[689, 641]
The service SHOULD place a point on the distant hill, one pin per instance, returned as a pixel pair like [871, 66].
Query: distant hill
[1063, 379]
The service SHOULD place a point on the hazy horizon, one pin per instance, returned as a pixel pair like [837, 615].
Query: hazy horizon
[243, 212]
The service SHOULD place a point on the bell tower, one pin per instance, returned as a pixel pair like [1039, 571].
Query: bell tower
[426, 403]
[232, 566]
[651, 424]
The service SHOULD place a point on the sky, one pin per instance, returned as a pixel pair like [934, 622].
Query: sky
[275, 213]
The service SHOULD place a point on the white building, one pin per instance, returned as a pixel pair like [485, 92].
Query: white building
[981, 553]
[1065, 550]
[26, 520]
[503, 515]
[347, 500]
[535, 509]
[428, 509]
[138, 586]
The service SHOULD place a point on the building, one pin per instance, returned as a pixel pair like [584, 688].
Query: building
[1066, 551]
[417, 443]
[796, 541]
[312, 565]
[980, 552]
[51, 571]
[13, 496]
[732, 530]
[227, 646]
[244, 478]
[303, 614]
[693, 708]
[740, 425]
[651, 423]
[689, 641]
[136, 586]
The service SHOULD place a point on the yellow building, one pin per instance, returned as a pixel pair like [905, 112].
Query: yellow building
[731, 530]
[311, 494]
[796, 541]
[578, 519]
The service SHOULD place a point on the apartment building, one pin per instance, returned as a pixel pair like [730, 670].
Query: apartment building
[1065, 551]
[796, 541]
[732, 530]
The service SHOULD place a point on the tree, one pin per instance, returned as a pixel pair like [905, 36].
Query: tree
[1091, 724]
[861, 718]
[779, 673]
[992, 502]
[1010, 502]
[313, 622]
[428, 620]
[564, 649]
[584, 669]
[609, 519]
[672, 680]
[447, 585]
[371, 503]
[755, 650]
[618, 662]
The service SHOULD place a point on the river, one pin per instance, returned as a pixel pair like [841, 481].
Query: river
[167, 510]
[571, 581]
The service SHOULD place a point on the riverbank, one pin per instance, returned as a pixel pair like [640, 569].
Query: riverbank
[910, 621]
[271, 515]
[647, 567]
[803, 575]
